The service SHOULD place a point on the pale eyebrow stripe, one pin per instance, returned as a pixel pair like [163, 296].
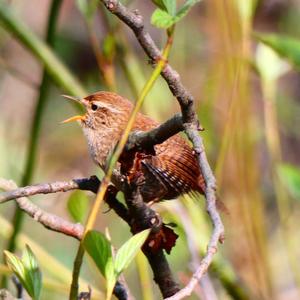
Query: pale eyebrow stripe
[107, 105]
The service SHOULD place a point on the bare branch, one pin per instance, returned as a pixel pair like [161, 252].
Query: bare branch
[54, 222]
[147, 139]
[48, 220]
[190, 123]
[48, 188]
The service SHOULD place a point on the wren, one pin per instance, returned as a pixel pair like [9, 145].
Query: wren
[169, 171]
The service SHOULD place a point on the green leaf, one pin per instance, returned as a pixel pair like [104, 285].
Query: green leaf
[99, 248]
[15, 265]
[161, 19]
[285, 46]
[290, 176]
[128, 251]
[185, 8]
[164, 18]
[78, 205]
[160, 4]
[168, 6]
[87, 8]
[27, 270]
[33, 273]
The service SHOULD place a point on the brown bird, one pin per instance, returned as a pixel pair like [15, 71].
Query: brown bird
[169, 171]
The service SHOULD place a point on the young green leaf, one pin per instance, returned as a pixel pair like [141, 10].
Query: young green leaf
[161, 19]
[290, 176]
[168, 6]
[185, 8]
[99, 248]
[33, 272]
[128, 251]
[78, 204]
[27, 270]
[160, 4]
[285, 46]
[15, 264]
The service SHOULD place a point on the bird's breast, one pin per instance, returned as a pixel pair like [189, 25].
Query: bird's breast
[100, 144]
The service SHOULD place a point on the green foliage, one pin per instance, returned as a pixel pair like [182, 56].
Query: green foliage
[129, 250]
[78, 204]
[161, 19]
[185, 8]
[166, 5]
[285, 46]
[99, 248]
[290, 176]
[165, 16]
[27, 270]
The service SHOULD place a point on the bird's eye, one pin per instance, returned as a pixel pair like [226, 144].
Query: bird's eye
[94, 107]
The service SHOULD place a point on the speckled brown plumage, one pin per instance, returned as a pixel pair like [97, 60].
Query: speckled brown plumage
[170, 171]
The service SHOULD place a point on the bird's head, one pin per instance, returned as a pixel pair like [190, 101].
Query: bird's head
[103, 109]
[103, 122]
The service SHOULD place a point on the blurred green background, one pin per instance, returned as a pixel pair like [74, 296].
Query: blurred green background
[247, 98]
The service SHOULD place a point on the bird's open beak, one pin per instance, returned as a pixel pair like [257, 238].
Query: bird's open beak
[75, 118]
[77, 99]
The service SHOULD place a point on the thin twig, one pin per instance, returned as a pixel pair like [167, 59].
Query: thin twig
[207, 289]
[43, 188]
[147, 139]
[50, 221]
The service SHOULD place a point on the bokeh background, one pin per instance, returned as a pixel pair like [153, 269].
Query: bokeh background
[247, 98]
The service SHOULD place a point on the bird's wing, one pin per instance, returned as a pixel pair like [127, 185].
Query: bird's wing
[179, 171]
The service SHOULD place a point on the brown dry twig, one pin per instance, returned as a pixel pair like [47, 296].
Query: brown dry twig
[191, 125]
